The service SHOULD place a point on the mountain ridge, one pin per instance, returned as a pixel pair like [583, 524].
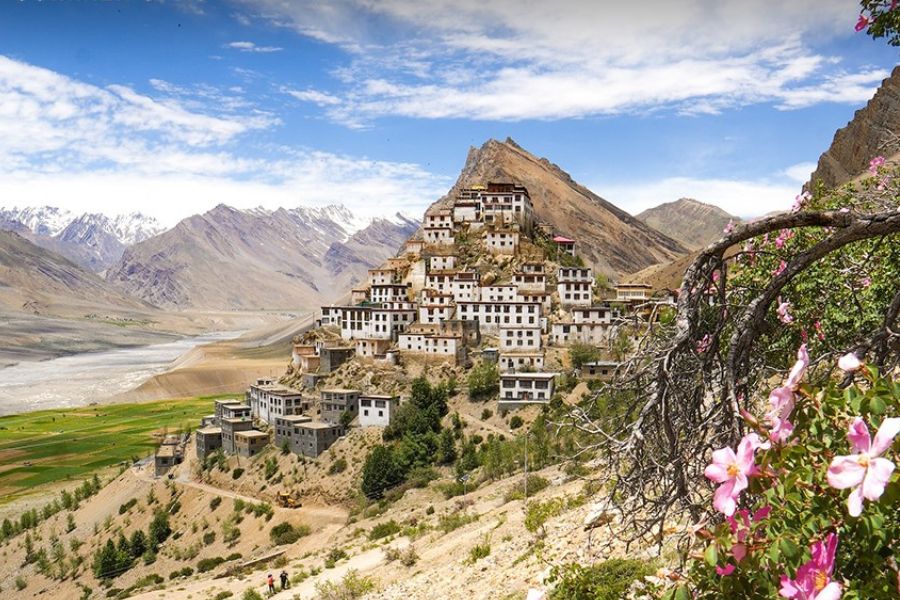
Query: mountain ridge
[691, 222]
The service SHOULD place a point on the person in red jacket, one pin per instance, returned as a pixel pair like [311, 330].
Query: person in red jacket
[271, 581]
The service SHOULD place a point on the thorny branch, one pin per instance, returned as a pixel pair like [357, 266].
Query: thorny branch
[673, 403]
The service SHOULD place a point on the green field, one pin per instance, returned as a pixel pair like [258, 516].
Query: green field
[52, 446]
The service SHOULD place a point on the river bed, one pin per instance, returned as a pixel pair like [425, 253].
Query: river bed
[81, 379]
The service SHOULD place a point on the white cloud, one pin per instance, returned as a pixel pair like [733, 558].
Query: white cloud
[314, 96]
[508, 60]
[800, 172]
[745, 199]
[86, 148]
[251, 47]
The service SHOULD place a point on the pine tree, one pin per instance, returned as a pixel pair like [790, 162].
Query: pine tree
[446, 450]
[138, 543]
[380, 472]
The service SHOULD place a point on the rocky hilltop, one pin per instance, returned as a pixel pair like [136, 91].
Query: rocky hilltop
[874, 130]
[691, 222]
[249, 259]
[609, 239]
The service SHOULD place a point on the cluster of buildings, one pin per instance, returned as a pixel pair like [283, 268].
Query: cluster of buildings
[430, 304]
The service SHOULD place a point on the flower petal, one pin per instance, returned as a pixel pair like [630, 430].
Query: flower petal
[845, 472]
[832, 591]
[728, 570]
[849, 363]
[799, 368]
[859, 435]
[855, 502]
[739, 552]
[717, 473]
[723, 500]
[788, 588]
[877, 476]
[885, 436]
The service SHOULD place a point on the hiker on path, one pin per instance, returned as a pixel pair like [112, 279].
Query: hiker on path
[284, 580]
[271, 582]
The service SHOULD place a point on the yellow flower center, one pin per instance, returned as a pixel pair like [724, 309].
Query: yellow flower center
[733, 470]
[863, 460]
[821, 580]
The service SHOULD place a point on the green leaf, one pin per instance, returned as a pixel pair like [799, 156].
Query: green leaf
[711, 555]
[681, 593]
[789, 548]
[877, 406]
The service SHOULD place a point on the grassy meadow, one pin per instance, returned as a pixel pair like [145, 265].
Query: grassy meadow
[53, 446]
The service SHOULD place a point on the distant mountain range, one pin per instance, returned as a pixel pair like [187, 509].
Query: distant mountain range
[92, 240]
[254, 259]
[693, 223]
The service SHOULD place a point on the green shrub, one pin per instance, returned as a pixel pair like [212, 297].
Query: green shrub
[483, 381]
[185, 572]
[208, 564]
[536, 483]
[215, 502]
[482, 550]
[515, 422]
[236, 474]
[285, 533]
[351, 587]
[124, 508]
[251, 594]
[209, 537]
[455, 520]
[338, 466]
[271, 467]
[334, 555]
[21, 584]
[608, 580]
[223, 595]
[383, 530]
[486, 414]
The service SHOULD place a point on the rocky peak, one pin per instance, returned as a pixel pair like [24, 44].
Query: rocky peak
[873, 131]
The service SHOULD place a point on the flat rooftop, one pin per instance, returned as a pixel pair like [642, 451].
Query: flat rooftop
[252, 434]
[316, 425]
[340, 391]
[210, 431]
[528, 375]
[295, 418]
[166, 452]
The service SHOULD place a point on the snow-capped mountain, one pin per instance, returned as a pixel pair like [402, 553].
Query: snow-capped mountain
[92, 240]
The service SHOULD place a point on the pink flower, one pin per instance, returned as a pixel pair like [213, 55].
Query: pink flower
[800, 200]
[875, 163]
[704, 344]
[725, 571]
[740, 528]
[783, 236]
[732, 471]
[783, 315]
[865, 282]
[849, 362]
[862, 23]
[820, 333]
[716, 275]
[799, 368]
[781, 402]
[778, 271]
[865, 471]
[813, 580]
[729, 228]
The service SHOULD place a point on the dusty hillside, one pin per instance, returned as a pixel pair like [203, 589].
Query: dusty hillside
[612, 241]
[695, 224]
[233, 259]
[873, 131]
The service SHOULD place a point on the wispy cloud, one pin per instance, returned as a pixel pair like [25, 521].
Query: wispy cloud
[508, 60]
[252, 47]
[314, 96]
[89, 148]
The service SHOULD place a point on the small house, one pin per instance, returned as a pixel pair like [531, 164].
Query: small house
[377, 410]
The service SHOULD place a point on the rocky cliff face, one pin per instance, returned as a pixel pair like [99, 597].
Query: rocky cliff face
[694, 224]
[254, 259]
[611, 240]
[874, 130]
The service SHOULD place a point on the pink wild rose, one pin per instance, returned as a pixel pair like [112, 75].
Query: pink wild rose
[732, 470]
[813, 580]
[865, 471]
[799, 368]
[783, 312]
[781, 402]
[862, 23]
[729, 228]
[703, 344]
[875, 163]
[780, 269]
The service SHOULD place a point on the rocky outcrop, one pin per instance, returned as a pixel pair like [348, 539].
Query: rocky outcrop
[693, 223]
[612, 241]
[874, 130]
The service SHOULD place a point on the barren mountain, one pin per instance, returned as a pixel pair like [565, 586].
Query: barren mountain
[242, 259]
[873, 131]
[693, 223]
[612, 241]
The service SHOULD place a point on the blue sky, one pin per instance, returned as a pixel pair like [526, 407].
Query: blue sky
[171, 107]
